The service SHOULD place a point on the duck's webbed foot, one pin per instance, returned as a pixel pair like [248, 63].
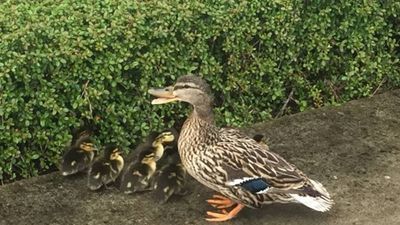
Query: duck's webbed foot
[224, 215]
[220, 202]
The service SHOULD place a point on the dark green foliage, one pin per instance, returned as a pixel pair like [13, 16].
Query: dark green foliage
[64, 61]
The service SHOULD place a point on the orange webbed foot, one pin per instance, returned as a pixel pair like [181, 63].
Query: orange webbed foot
[220, 202]
[224, 216]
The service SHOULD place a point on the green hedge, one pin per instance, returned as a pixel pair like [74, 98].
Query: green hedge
[67, 60]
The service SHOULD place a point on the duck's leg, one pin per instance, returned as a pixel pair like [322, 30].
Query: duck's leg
[220, 202]
[224, 216]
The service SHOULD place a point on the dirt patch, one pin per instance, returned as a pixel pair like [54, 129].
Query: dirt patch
[353, 150]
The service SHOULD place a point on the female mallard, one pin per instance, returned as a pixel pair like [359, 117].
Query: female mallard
[245, 172]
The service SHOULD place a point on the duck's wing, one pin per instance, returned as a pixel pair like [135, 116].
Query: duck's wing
[252, 166]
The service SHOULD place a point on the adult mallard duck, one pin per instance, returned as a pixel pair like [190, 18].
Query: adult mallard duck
[245, 172]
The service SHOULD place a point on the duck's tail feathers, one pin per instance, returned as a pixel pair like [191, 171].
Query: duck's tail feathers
[315, 196]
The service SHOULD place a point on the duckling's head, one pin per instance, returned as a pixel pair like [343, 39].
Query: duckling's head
[86, 144]
[191, 89]
[83, 133]
[112, 152]
[148, 159]
[164, 138]
[258, 137]
[86, 129]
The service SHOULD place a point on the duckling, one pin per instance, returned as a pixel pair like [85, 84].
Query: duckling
[164, 141]
[260, 138]
[138, 176]
[170, 179]
[78, 156]
[140, 167]
[80, 132]
[106, 169]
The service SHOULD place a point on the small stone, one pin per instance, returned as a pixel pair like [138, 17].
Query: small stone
[335, 177]
[390, 199]
[387, 177]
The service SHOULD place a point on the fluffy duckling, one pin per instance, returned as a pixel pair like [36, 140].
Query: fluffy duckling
[106, 169]
[170, 179]
[78, 156]
[164, 141]
[80, 132]
[260, 138]
[140, 167]
[138, 176]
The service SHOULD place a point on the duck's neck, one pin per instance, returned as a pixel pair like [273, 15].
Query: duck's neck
[204, 112]
[199, 125]
[199, 128]
[196, 134]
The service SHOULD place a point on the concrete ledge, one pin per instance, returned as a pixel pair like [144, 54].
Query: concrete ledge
[354, 150]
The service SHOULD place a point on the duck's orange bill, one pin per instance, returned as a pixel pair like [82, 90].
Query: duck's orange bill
[164, 95]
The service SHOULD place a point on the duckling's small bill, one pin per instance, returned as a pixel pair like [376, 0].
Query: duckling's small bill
[164, 95]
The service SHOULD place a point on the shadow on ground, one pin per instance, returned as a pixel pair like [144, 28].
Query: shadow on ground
[353, 150]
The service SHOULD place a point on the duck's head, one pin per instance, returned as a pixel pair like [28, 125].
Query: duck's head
[112, 152]
[191, 89]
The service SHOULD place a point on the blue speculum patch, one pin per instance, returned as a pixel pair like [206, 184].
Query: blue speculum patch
[255, 185]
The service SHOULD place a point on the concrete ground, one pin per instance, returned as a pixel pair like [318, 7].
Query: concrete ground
[354, 150]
